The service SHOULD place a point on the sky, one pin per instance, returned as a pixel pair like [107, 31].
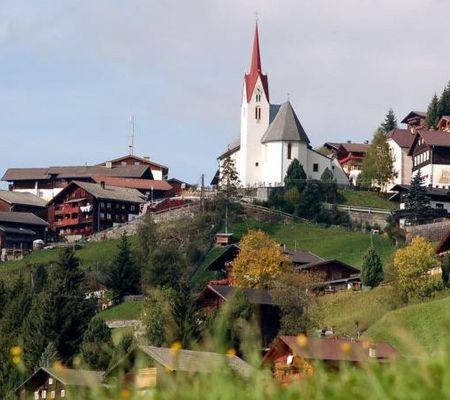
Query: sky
[72, 73]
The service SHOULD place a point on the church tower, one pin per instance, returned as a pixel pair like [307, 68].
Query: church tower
[255, 110]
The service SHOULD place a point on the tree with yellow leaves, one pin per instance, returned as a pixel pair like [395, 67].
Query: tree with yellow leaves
[412, 266]
[259, 262]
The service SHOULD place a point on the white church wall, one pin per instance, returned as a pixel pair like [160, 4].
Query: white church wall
[273, 161]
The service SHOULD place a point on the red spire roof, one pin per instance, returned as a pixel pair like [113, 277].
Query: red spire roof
[256, 70]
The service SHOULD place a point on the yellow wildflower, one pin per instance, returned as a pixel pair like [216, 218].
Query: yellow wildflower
[16, 351]
[346, 347]
[231, 352]
[302, 340]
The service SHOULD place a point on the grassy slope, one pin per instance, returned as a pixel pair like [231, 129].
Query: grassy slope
[366, 199]
[333, 242]
[420, 326]
[123, 311]
[201, 276]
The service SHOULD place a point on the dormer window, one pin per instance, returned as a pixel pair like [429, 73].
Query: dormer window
[258, 95]
[258, 113]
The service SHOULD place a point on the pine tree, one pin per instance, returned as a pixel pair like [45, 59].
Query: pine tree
[97, 344]
[372, 269]
[124, 274]
[329, 186]
[165, 267]
[49, 356]
[444, 102]
[229, 179]
[432, 113]
[310, 203]
[147, 237]
[417, 201]
[295, 176]
[390, 121]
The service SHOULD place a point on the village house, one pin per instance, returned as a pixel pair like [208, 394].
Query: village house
[444, 124]
[145, 366]
[350, 156]
[60, 383]
[439, 197]
[23, 202]
[400, 141]
[415, 120]
[83, 208]
[18, 230]
[160, 172]
[271, 136]
[46, 183]
[292, 358]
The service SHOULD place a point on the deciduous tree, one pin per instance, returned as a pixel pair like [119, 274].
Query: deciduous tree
[412, 266]
[259, 261]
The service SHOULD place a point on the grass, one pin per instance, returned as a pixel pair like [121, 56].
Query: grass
[201, 276]
[367, 199]
[123, 311]
[422, 326]
[331, 243]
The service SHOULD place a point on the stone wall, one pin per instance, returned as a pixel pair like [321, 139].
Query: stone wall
[433, 232]
[371, 219]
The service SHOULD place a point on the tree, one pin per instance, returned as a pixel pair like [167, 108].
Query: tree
[40, 278]
[259, 261]
[417, 201]
[295, 176]
[390, 121]
[446, 272]
[97, 344]
[310, 201]
[124, 274]
[432, 113]
[292, 200]
[378, 164]
[372, 269]
[294, 296]
[444, 102]
[412, 266]
[229, 184]
[146, 240]
[166, 266]
[328, 187]
[49, 356]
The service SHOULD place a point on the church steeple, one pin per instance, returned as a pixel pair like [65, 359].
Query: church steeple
[255, 70]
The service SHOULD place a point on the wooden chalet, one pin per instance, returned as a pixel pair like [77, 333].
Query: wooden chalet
[160, 172]
[439, 197]
[146, 366]
[151, 188]
[264, 307]
[60, 383]
[48, 182]
[292, 358]
[23, 202]
[415, 120]
[18, 230]
[83, 208]
[444, 124]
[178, 187]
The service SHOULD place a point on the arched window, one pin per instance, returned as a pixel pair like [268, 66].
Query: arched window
[258, 95]
[289, 151]
[258, 113]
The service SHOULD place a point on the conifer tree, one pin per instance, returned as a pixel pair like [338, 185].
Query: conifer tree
[417, 201]
[390, 121]
[432, 113]
[49, 356]
[295, 176]
[124, 274]
[328, 186]
[147, 237]
[229, 179]
[444, 102]
[97, 344]
[372, 269]
[310, 203]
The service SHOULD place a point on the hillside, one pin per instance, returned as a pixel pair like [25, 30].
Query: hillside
[366, 199]
[333, 242]
[414, 328]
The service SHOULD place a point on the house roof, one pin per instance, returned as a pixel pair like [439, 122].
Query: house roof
[71, 377]
[403, 137]
[324, 263]
[21, 218]
[219, 255]
[22, 198]
[302, 256]
[73, 172]
[331, 145]
[431, 138]
[355, 147]
[444, 244]
[196, 361]
[330, 349]
[145, 160]
[285, 127]
[255, 296]
[412, 114]
[133, 183]
[17, 231]
[234, 146]
[107, 193]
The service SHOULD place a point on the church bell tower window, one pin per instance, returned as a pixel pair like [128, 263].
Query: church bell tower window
[289, 151]
[258, 95]
[258, 113]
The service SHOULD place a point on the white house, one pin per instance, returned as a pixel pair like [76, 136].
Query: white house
[399, 141]
[272, 136]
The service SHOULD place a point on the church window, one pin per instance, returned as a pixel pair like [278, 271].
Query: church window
[289, 151]
[315, 167]
[256, 164]
[258, 113]
[258, 95]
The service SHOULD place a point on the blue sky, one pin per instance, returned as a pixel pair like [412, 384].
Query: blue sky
[72, 72]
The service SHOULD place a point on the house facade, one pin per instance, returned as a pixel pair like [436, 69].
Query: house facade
[23, 202]
[271, 136]
[400, 141]
[160, 172]
[84, 208]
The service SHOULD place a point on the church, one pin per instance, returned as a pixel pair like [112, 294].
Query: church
[272, 136]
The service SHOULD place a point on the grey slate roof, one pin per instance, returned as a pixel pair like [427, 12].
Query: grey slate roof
[196, 361]
[303, 257]
[22, 198]
[73, 172]
[21, 218]
[111, 192]
[285, 127]
[20, 231]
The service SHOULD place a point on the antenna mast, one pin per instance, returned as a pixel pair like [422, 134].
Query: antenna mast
[131, 146]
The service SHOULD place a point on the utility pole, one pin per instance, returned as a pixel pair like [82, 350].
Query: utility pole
[131, 146]
[202, 194]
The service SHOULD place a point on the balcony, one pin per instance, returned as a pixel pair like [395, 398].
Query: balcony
[66, 209]
[73, 221]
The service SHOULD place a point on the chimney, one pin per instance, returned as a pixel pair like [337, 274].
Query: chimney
[349, 141]
[146, 158]
[102, 184]
[372, 352]
[366, 142]
[108, 164]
